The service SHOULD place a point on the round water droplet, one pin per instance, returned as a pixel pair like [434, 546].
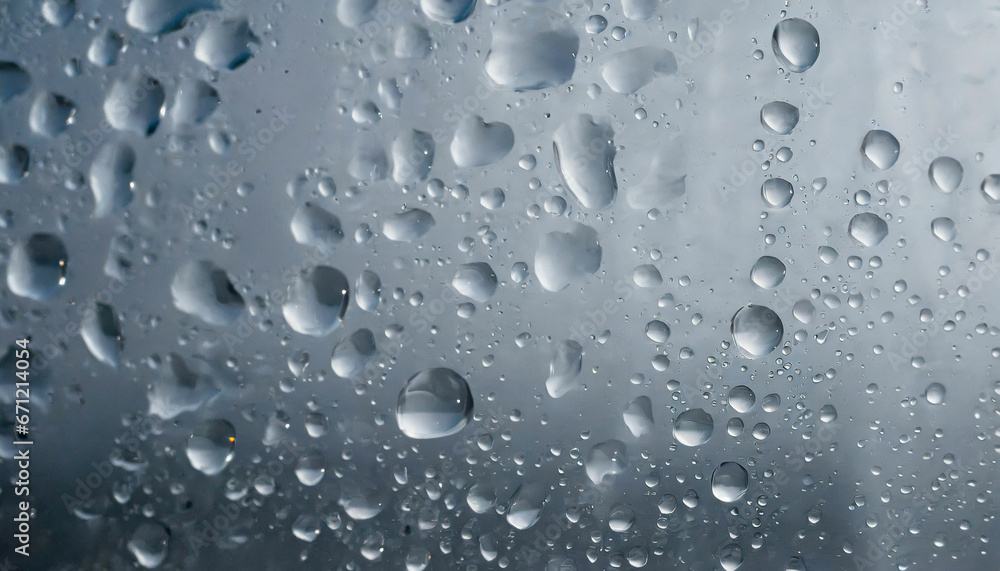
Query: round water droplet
[868, 229]
[149, 544]
[935, 393]
[776, 192]
[311, 467]
[731, 556]
[742, 398]
[621, 518]
[779, 117]
[991, 188]
[767, 272]
[434, 403]
[447, 11]
[879, 150]
[756, 330]
[658, 331]
[211, 446]
[596, 24]
[316, 301]
[796, 44]
[475, 281]
[944, 229]
[646, 275]
[693, 427]
[729, 482]
[945, 174]
[36, 268]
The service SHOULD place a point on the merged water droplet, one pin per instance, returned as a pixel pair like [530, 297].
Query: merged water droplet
[434, 403]
[36, 268]
[693, 427]
[225, 44]
[879, 150]
[203, 290]
[179, 389]
[584, 153]
[526, 53]
[478, 143]
[353, 353]
[868, 229]
[313, 225]
[756, 330]
[779, 117]
[317, 301]
[211, 446]
[630, 70]
[796, 44]
[606, 460]
[413, 156]
[729, 482]
[563, 257]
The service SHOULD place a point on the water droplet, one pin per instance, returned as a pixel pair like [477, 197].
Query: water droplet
[317, 301]
[991, 188]
[353, 353]
[159, 16]
[606, 460]
[13, 81]
[796, 44]
[621, 518]
[475, 281]
[50, 114]
[179, 389]
[945, 174]
[434, 403]
[413, 156]
[879, 150]
[646, 275]
[742, 398]
[135, 103]
[111, 178]
[657, 331]
[756, 330]
[566, 364]
[596, 24]
[526, 53]
[526, 505]
[731, 556]
[447, 11]
[105, 48]
[102, 333]
[211, 446]
[315, 226]
[868, 229]
[563, 257]
[944, 229]
[768, 272]
[630, 70]
[58, 12]
[407, 225]
[36, 268]
[935, 393]
[149, 544]
[776, 192]
[779, 117]
[368, 290]
[584, 153]
[194, 102]
[693, 427]
[311, 467]
[14, 163]
[203, 290]
[729, 482]
[638, 416]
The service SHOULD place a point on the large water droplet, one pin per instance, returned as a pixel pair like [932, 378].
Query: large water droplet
[111, 178]
[605, 460]
[945, 174]
[317, 301]
[990, 188]
[525, 53]
[638, 416]
[58, 12]
[102, 333]
[353, 353]
[742, 398]
[413, 156]
[50, 114]
[868, 229]
[756, 330]
[585, 152]
[779, 117]
[149, 544]
[476, 280]
[36, 268]
[407, 225]
[13, 81]
[159, 16]
[225, 44]
[311, 467]
[194, 102]
[796, 44]
[565, 366]
[179, 389]
[526, 505]
[563, 257]
[879, 150]
[368, 290]
[767, 272]
[105, 48]
[14, 163]
[693, 427]
[434, 403]
[478, 143]
[211, 446]
[313, 225]
[935, 393]
[731, 556]
[630, 70]
[729, 482]
[776, 192]
[447, 11]
[203, 290]
[135, 103]
[944, 229]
